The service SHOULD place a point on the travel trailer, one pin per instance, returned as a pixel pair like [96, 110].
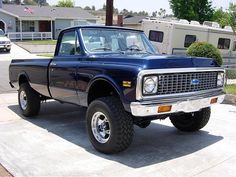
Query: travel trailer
[174, 37]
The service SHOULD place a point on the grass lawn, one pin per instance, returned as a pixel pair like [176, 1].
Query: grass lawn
[41, 42]
[230, 89]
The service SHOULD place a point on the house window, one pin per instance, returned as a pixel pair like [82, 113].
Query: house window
[69, 44]
[156, 36]
[234, 48]
[189, 39]
[79, 22]
[223, 43]
[28, 26]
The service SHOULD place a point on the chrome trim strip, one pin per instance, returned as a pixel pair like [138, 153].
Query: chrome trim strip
[141, 74]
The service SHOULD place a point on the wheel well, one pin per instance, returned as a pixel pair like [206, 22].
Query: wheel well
[100, 89]
[22, 79]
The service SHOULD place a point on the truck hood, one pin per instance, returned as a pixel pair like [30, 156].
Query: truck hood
[147, 61]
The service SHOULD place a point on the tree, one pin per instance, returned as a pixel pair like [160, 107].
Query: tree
[222, 17]
[182, 9]
[232, 16]
[226, 18]
[154, 14]
[65, 3]
[162, 12]
[93, 8]
[87, 8]
[203, 10]
[115, 10]
[199, 10]
[125, 12]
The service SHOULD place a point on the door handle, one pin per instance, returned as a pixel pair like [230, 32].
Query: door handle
[53, 64]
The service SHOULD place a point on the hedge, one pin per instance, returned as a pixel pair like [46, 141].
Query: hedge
[204, 49]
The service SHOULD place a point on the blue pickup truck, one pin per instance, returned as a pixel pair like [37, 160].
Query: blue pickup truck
[121, 78]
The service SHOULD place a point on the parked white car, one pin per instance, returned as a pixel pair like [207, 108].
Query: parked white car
[5, 42]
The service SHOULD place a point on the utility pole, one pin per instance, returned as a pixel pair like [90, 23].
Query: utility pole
[109, 13]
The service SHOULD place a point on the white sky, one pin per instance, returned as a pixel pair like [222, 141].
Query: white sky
[140, 5]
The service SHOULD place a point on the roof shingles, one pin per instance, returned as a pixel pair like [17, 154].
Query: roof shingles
[48, 12]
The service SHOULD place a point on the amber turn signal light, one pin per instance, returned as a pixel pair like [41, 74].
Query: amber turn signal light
[214, 100]
[162, 109]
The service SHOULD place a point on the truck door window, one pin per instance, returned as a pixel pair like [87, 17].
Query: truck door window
[156, 36]
[69, 44]
[189, 39]
[223, 43]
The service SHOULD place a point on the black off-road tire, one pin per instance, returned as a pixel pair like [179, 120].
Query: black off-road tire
[189, 122]
[120, 123]
[32, 98]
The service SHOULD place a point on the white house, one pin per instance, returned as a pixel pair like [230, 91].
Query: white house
[40, 22]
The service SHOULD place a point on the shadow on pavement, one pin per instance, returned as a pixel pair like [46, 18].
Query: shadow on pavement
[155, 144]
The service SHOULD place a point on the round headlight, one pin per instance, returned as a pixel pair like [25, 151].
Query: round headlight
[150, 85]
[220, 79]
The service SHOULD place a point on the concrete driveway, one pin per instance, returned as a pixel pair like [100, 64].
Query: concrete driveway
[56, 144]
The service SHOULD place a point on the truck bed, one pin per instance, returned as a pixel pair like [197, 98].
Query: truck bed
[37, 73]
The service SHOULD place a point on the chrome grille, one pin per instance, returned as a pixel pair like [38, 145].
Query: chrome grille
[3, 42]
[186, 82]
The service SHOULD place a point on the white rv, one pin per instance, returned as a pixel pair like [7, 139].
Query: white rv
[174, 37]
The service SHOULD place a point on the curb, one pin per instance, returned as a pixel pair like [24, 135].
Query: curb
[230, 99]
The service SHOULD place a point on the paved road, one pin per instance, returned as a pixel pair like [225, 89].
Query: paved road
[5, 59]
[56, 144]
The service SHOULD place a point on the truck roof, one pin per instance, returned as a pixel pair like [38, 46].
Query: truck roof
[102, 26]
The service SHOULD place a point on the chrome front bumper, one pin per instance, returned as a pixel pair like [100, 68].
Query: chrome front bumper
[189, 104]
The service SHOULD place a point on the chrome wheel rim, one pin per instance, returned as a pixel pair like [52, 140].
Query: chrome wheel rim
[100, 127]
[23, 100]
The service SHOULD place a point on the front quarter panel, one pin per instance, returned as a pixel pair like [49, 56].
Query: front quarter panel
[91, 71]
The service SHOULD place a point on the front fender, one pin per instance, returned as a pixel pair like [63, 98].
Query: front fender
[115, 85]
[108, 79]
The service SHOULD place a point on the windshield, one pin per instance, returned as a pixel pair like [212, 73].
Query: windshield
[2, 33]
[115, 40]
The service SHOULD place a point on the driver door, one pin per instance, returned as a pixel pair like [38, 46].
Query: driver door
[63, 69]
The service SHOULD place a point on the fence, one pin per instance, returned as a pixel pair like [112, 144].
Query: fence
[29, 35]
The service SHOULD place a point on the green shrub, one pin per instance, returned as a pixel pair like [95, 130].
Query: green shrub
[231, 73]
[204, 49]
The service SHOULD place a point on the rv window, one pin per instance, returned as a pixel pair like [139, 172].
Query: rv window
[223, 43]
[189, 39]
[156, 36]
[234, 48]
